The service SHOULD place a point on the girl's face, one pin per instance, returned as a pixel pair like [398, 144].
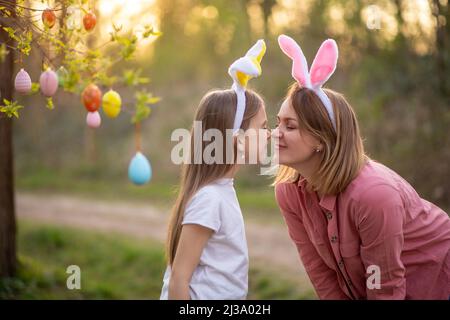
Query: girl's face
[294, 144]
[256, 138]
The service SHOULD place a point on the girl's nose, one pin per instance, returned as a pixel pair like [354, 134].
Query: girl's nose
[276, 133]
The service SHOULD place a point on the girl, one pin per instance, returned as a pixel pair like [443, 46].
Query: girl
[361, 230]
[206, 245]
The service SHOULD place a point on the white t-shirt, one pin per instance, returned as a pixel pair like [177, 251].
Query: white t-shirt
[222, 272]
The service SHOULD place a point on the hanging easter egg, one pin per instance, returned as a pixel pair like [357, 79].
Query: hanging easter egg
[92, 97]
[62, 75]
[74, 17]
[48, 18]
[111, 103]
[93, 119]
[139, 170]
[48, 82]
[22, 83]
[89, 21]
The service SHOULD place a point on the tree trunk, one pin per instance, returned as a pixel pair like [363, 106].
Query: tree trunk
[8, 258]
[440, 12]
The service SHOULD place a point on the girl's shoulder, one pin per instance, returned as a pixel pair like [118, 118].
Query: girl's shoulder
[214, 192]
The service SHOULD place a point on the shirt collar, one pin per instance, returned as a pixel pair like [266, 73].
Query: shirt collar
[327, 202]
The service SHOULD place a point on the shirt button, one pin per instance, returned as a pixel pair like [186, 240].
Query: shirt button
[341, 263]
[334, 239]
[329, 215]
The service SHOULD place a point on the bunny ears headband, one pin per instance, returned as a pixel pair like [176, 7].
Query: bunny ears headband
[322, 68]
[242, 70]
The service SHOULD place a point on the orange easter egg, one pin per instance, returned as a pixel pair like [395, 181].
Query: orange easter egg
[89, 21]
[92, 97]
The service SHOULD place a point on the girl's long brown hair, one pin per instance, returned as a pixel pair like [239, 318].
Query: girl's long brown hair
[215, 111]
[343, 154]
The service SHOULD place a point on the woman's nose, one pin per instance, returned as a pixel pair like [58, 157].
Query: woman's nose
[276, 133]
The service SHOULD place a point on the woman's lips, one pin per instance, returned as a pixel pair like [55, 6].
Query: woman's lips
[280, 147]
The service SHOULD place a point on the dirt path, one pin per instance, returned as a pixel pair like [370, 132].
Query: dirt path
[268, 244]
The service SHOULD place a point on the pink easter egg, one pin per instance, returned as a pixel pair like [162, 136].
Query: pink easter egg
[93, 119]
[49, 83]
[22, 83]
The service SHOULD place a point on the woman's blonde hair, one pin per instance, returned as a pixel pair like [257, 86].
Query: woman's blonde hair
[343, 154]
[215, 111]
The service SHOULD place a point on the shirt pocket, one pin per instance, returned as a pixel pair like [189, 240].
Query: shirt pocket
[350, 249]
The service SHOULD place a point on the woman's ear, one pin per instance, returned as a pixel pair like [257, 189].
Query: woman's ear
[318, 148]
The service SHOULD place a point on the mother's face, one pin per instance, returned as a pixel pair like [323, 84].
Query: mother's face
[296, 146]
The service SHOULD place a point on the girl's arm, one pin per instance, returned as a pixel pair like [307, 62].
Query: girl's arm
[193, 239]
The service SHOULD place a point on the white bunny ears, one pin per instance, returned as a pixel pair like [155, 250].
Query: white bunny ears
[242, 70]
[322, 68]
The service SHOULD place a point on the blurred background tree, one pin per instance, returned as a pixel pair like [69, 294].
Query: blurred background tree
[69, 46]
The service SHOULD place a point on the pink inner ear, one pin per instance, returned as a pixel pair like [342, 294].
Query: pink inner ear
[324, 63]
[320, 73]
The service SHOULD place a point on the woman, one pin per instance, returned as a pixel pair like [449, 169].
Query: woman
[362, 231]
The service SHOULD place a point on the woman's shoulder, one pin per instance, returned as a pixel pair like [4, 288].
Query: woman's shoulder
[286, 195]
[376, 184]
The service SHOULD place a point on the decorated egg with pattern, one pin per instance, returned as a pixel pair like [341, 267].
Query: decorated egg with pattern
[22, 83]
[92, 97]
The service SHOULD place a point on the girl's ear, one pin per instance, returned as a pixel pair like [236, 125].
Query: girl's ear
[299, 64]
[239, 142]
[324, 63]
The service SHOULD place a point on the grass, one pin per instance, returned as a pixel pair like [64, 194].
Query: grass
[112, 267]
[256, 203]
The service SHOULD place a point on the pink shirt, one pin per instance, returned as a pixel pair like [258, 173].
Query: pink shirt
[380, 220]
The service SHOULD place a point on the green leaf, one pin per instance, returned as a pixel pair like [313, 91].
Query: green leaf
[149, 31]
[35, 87]
[143, 101]
[50, 104]
[3, 52]
[132, 77]
[10, 109]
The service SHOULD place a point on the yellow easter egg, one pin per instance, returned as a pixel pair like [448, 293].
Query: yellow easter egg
[111, 103]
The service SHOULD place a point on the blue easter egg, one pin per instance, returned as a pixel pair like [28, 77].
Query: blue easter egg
[140, 170]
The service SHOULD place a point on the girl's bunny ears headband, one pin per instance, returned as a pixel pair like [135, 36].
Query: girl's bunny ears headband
[242, 70]
[322, 68]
